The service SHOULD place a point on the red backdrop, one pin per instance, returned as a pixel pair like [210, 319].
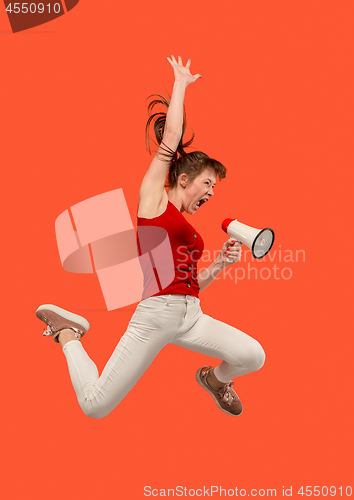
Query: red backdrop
[275, 105]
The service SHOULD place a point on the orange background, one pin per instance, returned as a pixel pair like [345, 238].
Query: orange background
[275, 105]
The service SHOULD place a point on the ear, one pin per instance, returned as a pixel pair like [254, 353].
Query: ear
[183, 180]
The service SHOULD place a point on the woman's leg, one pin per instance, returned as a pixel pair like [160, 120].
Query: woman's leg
[241, 354]
[99, 395]
[151, 327]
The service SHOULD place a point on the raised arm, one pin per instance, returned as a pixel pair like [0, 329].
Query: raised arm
[152, 186]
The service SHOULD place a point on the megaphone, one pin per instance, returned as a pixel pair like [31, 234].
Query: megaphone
[260, 241]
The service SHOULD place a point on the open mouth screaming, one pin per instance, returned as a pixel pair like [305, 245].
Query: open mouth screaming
[201, 202]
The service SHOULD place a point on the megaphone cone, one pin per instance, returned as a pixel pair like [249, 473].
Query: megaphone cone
[260, 241]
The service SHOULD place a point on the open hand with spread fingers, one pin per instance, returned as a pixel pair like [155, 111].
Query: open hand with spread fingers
[181, 72]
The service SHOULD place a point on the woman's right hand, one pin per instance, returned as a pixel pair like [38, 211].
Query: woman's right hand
[181, 72]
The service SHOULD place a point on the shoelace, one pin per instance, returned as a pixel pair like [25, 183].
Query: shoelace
[50, 331]
[227, 395]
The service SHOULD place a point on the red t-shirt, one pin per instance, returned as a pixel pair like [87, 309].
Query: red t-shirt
[169, 263]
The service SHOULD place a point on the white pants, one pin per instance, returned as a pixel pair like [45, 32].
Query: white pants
[157, 321]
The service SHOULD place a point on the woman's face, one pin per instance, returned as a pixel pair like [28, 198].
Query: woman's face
[198, 192]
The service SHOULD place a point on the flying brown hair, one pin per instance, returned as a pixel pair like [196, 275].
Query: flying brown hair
[192, 163]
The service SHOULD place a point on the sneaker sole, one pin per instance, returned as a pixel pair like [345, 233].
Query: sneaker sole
[65, 314]
[200, 382]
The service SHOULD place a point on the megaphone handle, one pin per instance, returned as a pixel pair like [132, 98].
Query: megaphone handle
[227, 259]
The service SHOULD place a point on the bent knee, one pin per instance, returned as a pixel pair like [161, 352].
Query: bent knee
[258, 356]
[252, 357]
[94, 412]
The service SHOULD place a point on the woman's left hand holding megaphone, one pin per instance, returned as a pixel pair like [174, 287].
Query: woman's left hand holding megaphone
[231, 252]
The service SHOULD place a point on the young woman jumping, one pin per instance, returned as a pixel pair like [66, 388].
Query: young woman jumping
[173, 314]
